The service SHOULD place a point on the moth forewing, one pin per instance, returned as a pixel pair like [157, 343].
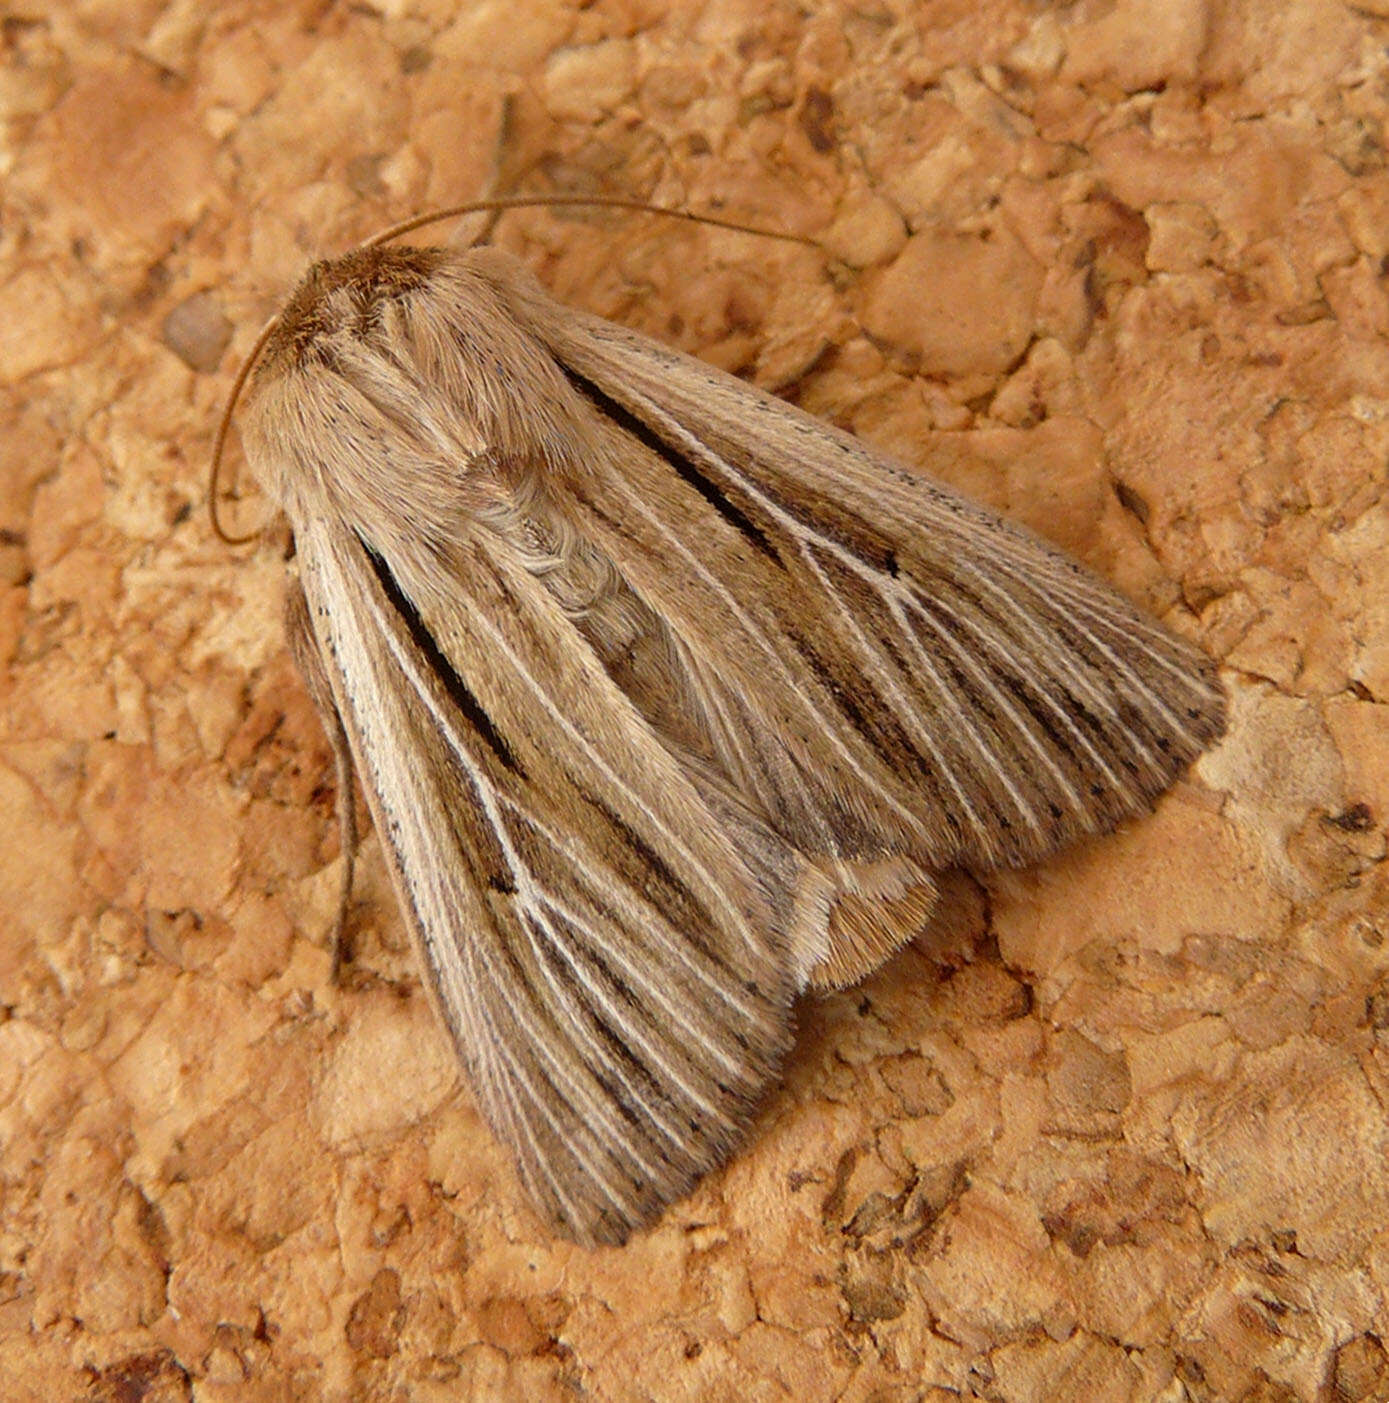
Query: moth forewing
[667, 699]
[1026, 700]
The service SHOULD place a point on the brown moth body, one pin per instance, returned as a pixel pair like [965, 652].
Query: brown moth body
[668, 699]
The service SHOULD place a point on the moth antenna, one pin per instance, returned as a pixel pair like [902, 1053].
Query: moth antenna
[420, 221]
[507, 202]
[224, 428]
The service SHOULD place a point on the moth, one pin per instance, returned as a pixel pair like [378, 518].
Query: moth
[669, 701]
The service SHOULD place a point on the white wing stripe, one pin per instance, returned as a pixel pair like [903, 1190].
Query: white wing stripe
[520, 872]
[624, 904]
[908, 713]
[703, 454]
[670, 1074]
[991, 646]
[1065, 586]
[1125, 669]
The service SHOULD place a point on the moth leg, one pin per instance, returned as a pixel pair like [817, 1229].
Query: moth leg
[304, 649]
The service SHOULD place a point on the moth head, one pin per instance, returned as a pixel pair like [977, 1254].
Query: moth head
[350, 295]
[344, 296]
[336, 403]
[400, 375]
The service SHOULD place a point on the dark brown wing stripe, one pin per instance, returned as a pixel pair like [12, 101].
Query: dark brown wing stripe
[681, 466]
[458, 690]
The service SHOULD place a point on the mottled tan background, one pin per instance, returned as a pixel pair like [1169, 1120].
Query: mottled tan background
[1117, 1129]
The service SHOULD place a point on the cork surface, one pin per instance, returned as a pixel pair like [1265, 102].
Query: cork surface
[1113, 1129]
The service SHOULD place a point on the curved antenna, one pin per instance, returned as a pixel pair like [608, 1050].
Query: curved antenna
[507, 202]
[406, 226]
[224, 429]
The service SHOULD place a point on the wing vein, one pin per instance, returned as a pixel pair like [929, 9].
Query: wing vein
[908, 712]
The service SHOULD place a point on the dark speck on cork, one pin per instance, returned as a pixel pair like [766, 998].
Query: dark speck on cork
[346, 292]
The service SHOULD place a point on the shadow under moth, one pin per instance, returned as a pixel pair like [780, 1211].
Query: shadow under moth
[669, 701]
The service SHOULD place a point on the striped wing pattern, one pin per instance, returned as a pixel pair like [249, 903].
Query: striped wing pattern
[619, 1004]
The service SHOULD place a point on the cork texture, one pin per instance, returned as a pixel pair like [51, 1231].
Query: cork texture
[1113, 1129]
